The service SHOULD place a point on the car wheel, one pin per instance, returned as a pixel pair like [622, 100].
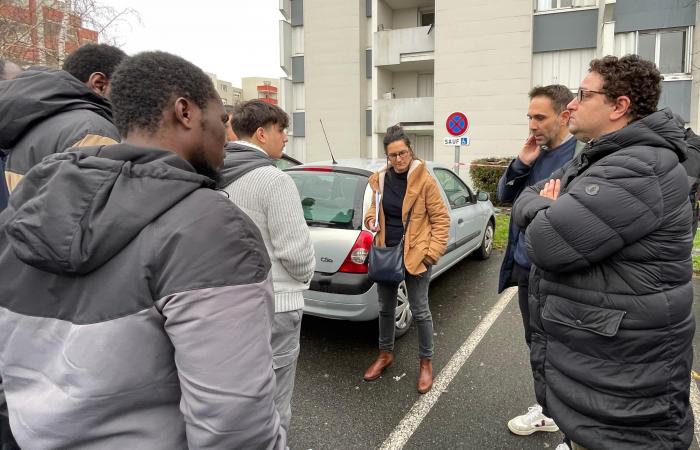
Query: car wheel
[487, 242]
[403, 316]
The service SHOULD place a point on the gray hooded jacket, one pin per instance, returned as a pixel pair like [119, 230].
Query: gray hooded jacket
[135, 310]
[45, 111]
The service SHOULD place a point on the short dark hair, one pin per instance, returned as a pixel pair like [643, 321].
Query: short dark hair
[559, 95]
[250, 115]
[396, 133]
[91, 58]
[144, 85]
[633, 77]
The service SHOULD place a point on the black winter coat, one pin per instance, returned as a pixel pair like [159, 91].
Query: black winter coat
[611, 293]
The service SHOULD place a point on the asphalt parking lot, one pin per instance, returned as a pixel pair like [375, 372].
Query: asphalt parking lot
[480, 355]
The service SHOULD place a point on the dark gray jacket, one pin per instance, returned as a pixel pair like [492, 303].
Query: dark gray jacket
[45, 111]
[611, 292]
[136, 308]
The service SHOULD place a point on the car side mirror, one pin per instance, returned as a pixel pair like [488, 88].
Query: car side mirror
[482, 196]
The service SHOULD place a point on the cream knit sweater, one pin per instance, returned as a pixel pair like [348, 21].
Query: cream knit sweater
[270, 198]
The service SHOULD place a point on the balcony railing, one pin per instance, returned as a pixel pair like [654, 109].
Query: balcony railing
[393, 47]
[388, 112]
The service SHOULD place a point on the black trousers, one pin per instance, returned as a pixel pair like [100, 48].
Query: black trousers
[7, 442]
[522, 276]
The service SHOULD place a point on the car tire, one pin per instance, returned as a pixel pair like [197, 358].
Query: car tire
[403, 317]
[486, 248]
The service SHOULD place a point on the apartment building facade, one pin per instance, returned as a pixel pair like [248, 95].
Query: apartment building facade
[261, 88]
[361, 66]
[40, 32]
[230, 94]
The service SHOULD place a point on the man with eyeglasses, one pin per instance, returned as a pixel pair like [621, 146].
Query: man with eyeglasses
[609, 237]
[548, 147]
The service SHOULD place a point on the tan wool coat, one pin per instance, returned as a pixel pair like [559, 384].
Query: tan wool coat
[429, 228]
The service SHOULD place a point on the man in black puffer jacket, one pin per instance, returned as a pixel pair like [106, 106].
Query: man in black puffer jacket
[610, 290]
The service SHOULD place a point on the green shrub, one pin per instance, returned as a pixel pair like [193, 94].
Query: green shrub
[485, 174]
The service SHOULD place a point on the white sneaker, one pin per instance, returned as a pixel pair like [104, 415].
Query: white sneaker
[562, 446]
[531, 422]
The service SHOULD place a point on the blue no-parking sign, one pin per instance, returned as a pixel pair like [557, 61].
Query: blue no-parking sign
[457, 123]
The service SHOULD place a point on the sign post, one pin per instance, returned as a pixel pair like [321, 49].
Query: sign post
[456, 125]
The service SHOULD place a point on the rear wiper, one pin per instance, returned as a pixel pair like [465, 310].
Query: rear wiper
[321, 222]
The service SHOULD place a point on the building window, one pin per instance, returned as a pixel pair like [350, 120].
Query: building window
[548, 5]
[426, 17]
[668, 49]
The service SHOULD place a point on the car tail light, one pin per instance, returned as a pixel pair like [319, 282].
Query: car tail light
[356, 261]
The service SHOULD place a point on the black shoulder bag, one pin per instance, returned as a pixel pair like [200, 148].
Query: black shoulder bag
[386, 263]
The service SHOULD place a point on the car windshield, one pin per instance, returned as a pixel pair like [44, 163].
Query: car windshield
[331, 199]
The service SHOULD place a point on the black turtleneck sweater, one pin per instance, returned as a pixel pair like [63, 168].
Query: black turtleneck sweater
[392, 202]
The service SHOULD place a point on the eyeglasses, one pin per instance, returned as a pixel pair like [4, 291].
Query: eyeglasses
[582, 93]
[401, 153]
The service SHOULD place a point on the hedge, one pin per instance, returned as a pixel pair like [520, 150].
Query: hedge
[485, 174]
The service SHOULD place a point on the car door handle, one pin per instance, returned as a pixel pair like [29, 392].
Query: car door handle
[460, 221]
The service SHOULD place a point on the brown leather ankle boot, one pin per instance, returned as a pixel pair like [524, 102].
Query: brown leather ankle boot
[384, 360]
[425, 376]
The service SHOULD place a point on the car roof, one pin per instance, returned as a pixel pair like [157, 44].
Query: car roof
[365, 164]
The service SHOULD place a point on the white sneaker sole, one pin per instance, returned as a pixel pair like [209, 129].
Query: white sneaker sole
[547, 428]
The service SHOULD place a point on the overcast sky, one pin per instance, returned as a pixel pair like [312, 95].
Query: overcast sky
[233, 39]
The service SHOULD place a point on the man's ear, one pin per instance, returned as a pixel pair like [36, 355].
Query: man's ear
[98, 83]
[621, 107]
[564, 117]
[184, 112]
[260, 135]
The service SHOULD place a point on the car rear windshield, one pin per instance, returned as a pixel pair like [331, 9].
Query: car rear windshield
[331, 199]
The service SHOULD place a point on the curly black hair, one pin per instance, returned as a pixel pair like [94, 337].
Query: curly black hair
[91, 58]
[396, 133]
[144, 86]
[633, 77]
[250, 115]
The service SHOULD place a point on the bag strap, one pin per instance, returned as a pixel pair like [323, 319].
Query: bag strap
[405, 225]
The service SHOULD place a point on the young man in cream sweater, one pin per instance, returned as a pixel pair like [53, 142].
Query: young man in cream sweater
[270, 198]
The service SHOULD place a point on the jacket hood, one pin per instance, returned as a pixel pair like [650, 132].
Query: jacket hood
[659, 129]
[241, 159]
[76, 210]
[39, 93]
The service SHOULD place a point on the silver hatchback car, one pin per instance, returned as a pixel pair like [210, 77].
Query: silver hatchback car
[335, 197]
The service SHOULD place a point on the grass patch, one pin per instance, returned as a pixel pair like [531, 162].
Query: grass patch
[696, 254]
[500, 238]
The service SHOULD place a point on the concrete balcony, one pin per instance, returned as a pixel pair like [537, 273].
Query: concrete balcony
[403, 46]
[416, 112]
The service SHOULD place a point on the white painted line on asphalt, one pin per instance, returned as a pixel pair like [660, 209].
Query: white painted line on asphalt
[409, 424]
[695, 403]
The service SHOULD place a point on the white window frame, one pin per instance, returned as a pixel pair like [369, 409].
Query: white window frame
[558, 9]
[688, 65]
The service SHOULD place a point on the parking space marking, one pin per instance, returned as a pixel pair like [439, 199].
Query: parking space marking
[409, 424]
[695, 403]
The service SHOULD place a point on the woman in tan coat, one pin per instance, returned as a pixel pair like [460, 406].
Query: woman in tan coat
[406, 186]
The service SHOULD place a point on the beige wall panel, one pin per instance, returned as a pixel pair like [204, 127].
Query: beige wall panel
[405, 18]
[483, 57]
[334, 75]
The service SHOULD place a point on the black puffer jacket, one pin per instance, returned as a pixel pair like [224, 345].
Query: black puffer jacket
[611, 292]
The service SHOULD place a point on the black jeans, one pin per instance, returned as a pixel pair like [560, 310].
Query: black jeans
[522, 275]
